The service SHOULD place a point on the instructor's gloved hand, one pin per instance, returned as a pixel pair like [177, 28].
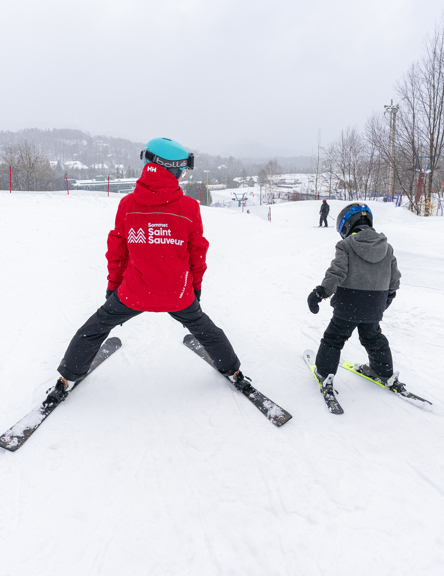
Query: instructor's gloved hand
[390, 298]
[109, 292]
[315, 297]
[197, 294]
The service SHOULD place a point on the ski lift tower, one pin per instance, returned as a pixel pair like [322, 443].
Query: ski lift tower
[241, 198]
[392, 110]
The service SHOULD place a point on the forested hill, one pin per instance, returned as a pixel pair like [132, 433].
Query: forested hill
[66, 145]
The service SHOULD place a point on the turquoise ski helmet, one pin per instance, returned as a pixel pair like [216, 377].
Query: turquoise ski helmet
[169, 154]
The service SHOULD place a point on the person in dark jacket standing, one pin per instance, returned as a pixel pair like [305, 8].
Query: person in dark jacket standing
[324, 211]
[156, 261]
[363, 279]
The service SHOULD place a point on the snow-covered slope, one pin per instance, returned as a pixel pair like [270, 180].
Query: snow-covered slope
[156, 467]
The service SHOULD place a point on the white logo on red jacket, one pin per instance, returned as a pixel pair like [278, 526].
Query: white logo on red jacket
[159, 234]
[138, 238]
[151, 169]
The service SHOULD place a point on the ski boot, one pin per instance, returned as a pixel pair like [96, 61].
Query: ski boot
[391, 382]
[369, 372]
[326, 383]
[327, 390]
[394, 384]
[239, 380]
[59, 392]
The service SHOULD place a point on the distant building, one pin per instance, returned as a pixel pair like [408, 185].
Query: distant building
[217, 186]
[123, 185]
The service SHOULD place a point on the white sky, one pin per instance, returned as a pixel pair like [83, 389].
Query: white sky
[248, 77]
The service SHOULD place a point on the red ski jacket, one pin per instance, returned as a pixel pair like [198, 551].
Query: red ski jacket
[156, 252]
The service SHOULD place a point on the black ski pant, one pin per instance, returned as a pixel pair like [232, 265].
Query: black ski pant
[88, 339]
[323, 219]
[370, 336]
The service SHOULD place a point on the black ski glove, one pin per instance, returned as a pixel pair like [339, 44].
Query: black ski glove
[198, 293]
[390, 298]
[109, 292]
[315, 297]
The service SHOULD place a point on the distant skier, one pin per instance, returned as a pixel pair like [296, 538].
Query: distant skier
[364, 278]
[156, 261]
[325, 209]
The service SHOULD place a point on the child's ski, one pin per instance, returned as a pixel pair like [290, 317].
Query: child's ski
[398, 388]
[16, 436]
[328, 394]
[277, 415]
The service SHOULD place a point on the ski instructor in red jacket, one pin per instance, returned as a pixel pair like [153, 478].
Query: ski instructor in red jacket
[156, 261]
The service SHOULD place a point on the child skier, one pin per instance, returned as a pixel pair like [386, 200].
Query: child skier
[363, 277]
[156, 261]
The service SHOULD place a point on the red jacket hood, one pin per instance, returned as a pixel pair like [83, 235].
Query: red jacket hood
[156, 186]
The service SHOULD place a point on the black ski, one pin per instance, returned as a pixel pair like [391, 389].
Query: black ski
[16, 436]
[398, 389]
[329, 395]
[277, 415]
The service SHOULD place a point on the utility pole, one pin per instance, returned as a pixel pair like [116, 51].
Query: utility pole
[391, 169]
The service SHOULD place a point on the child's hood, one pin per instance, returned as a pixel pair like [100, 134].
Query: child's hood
[369, 245]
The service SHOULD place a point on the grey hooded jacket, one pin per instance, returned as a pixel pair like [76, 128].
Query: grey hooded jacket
[362, 274]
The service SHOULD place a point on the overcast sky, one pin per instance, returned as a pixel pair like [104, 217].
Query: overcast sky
[247, 77]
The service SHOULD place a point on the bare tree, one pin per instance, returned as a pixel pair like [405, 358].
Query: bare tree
[419, 141]
[346, 162]
[402, 160]
[273, 171]
[262, 179]
[329, 174]
[431, 101]
[411, 154]
[30, 169]
[317, 166]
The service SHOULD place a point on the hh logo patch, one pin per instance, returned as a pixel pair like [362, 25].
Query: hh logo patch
[138, 238]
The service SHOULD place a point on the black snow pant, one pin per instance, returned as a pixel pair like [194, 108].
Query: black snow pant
[323, 219]
[88, 339]
[370, 336]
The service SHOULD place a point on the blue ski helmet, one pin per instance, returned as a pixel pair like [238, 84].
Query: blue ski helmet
[351, 216]
[169, 154]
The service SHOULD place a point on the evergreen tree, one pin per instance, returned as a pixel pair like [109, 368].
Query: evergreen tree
[198, 191]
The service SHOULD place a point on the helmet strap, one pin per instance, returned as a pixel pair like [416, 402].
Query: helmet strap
[185, 163]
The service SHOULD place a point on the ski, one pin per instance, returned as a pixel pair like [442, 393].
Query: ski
[398, 391]
[329, 396]
[277, 415]
[17, 435]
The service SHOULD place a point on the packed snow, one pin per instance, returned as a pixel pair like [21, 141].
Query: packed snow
[156, 466]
